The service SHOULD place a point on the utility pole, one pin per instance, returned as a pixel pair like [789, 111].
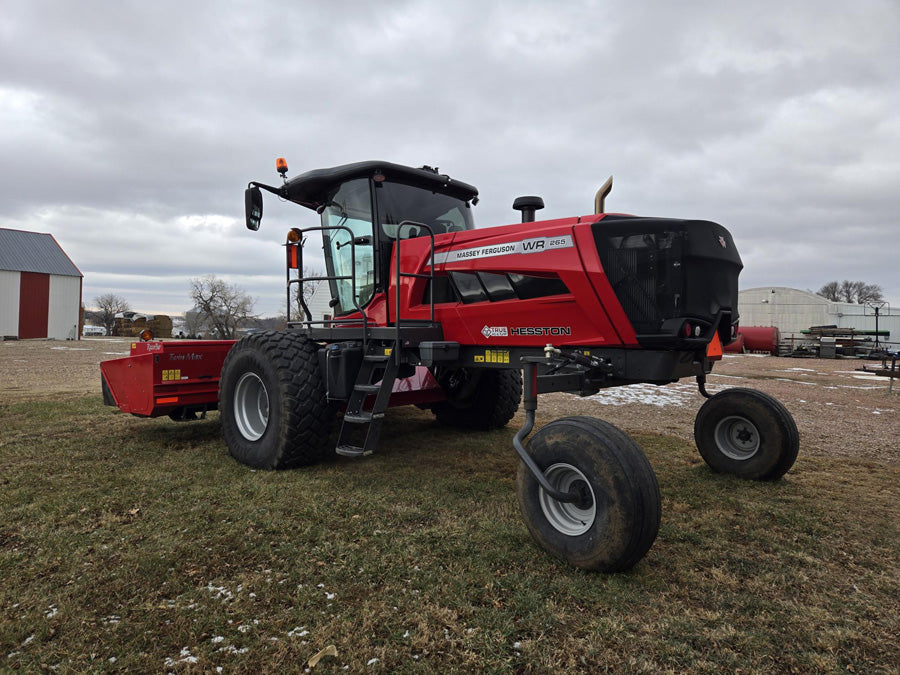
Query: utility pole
[877, 305]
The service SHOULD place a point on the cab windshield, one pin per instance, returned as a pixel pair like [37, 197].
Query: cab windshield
[350, 207]
[398, 202]
[351, 254]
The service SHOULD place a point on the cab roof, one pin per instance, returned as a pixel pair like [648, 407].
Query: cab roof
[312, 188]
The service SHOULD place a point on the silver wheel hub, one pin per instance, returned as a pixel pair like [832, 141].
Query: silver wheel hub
[567, 517]
[251, 406]
[737, 438]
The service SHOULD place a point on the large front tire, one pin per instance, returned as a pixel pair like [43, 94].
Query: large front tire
[615, 523]
[272, 402]
[746, 433]
[479, 398]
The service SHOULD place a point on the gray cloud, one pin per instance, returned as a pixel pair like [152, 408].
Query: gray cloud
[129, 130]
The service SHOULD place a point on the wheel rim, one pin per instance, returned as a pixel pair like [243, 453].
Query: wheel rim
[251, 406]
[567, 517]
[737, 438]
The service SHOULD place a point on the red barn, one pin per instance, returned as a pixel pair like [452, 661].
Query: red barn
[40, 288]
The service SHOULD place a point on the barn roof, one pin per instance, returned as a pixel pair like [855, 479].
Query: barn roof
[22, 251]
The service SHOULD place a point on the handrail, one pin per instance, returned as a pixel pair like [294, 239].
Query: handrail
[344, 277]
[429, 276]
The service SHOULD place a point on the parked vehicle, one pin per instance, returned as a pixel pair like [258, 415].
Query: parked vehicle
[430, 311]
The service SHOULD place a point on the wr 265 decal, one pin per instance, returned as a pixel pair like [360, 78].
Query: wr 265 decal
[534, 245]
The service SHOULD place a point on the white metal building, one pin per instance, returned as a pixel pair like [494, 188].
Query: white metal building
[792, 310]
[40, 288]
[318, 303]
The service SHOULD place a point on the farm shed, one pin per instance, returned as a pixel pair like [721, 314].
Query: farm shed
[40, 288]
[792, 311]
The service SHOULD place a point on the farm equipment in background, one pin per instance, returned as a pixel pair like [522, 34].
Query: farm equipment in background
[428, 310]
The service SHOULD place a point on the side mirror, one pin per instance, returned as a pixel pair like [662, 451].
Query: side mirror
[253, 207]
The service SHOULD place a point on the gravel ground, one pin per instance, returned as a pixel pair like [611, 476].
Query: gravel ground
[839, 410]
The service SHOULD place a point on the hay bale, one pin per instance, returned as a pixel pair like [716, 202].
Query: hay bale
[122, 327]
[161, 325]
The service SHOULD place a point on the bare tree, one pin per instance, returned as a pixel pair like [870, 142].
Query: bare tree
[224, 306]
[108, 305]
[851, 291]
[831, 291]
[870, 293]
[193, 323]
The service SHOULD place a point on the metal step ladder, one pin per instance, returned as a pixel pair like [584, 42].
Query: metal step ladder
[359, 422]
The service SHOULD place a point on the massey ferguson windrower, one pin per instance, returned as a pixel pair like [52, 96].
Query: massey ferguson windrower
[427, 310]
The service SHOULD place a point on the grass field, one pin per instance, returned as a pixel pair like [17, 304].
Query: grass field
[129, 544]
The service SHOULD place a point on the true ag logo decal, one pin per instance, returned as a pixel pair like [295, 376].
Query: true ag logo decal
[494, 331]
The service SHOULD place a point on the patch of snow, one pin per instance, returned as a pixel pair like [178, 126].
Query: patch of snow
[298, 632]
[875, 378]
[787, 379]
[73, 349]
[185, 657]
[231, 649]
[27, 641]
[372, 662]
[217, 639]
[52, 611]
[648, 394]
[221, 593]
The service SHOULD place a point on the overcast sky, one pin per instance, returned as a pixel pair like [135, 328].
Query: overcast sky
[129, 130]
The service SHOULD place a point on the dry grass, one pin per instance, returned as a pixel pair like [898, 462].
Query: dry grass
[130, 544]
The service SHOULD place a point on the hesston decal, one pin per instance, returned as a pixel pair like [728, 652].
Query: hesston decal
[503, 331]
[541, 330]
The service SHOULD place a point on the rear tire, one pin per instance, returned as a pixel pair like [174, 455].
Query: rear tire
[616, 522]
[272, 402]
[746, 433]
[478, 398]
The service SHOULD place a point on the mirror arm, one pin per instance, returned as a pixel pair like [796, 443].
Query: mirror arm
[268, 188]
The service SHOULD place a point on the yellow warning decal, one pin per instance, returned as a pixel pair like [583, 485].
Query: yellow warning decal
[171, 375]
[493, 356]
[388, 351]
